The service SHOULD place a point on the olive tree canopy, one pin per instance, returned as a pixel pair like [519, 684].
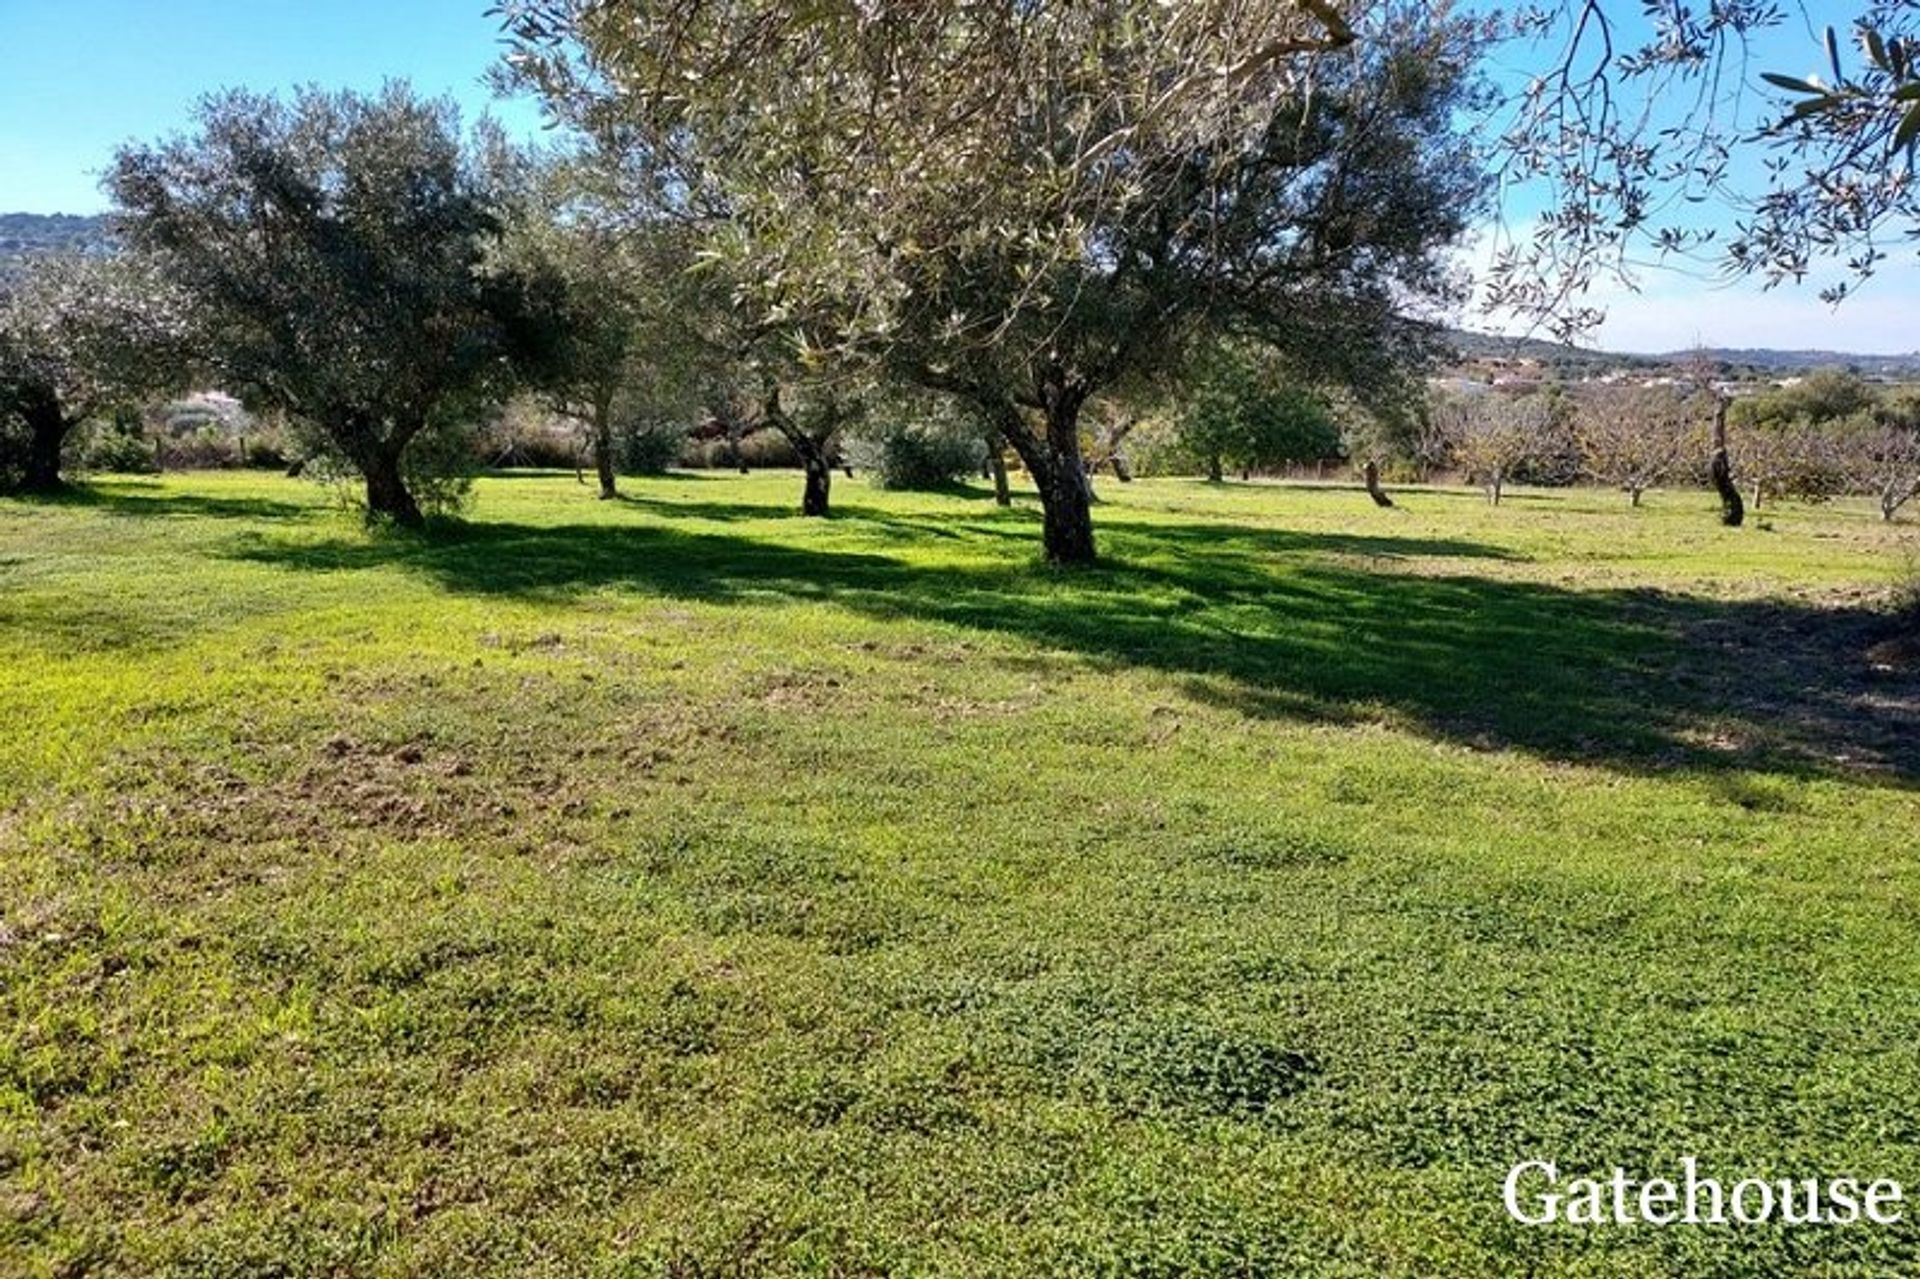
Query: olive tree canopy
[79, 337]
[335, 250]
[622, 320]
[1021, 204]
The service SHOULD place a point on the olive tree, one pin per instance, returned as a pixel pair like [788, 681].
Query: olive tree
[1022, 205]
[813, 415]
[620, 312]
[335, 250]
[79, 337]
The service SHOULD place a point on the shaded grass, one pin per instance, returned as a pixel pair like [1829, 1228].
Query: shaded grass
[678, 887]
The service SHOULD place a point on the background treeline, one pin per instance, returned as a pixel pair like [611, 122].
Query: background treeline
[1829, 434]
[363, 287]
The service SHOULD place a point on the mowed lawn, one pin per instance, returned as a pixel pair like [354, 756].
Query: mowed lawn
[679, 887]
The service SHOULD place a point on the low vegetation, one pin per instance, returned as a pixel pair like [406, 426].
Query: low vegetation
[671, 885]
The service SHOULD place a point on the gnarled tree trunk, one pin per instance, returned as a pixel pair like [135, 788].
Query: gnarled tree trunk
[1053, 460]
[815, 450]
[47, 430]
[387, 494]
[819, 482]
[603, 450]
[997, 468]
[1066, 512]
[1895, 495]
[1066, 499]
[1733, 511]
[1372, 473]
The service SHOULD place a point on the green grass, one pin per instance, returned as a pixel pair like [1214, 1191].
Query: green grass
[678, 887]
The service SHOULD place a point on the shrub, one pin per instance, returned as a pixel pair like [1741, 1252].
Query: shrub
[706, 455]
[1899, 649]
[267, 453]
[917, 455]
[118, 448]
[13, 453]
[524, 434]
[758, 449]
[648, 447]
[766, 448]
[196, 446]
[1906, 597]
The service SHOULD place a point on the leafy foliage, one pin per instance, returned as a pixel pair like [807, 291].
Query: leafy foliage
[622, 341]
[1824, 395]
[1642, 117]
[918, 442]
[1024, 206]
[120, 447]
[336, 250]
[647, 446]
[79, 337]
[1241, 411]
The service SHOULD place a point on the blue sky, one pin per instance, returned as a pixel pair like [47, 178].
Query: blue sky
[84, 76]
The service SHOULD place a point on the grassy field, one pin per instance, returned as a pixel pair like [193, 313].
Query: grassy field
[677, 887]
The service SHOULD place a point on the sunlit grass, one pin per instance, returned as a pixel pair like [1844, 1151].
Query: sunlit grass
[675, 886]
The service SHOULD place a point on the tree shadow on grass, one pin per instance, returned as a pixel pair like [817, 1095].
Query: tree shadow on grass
[1229, 542]
[1019, 522]
[1011, 522]
[150, 498]
[567, 473]
[1638, 680]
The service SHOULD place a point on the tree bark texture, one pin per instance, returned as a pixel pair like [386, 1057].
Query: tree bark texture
[1733, 511]
[1374, 491]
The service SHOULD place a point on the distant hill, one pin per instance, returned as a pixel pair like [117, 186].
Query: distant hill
[26, 235]
[1761, 361]
[1553, 355]
[1800, 361]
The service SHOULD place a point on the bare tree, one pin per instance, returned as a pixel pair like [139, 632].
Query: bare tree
[1636, 437]
[1796, 459]
[1489, 437]
[1882, 460]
